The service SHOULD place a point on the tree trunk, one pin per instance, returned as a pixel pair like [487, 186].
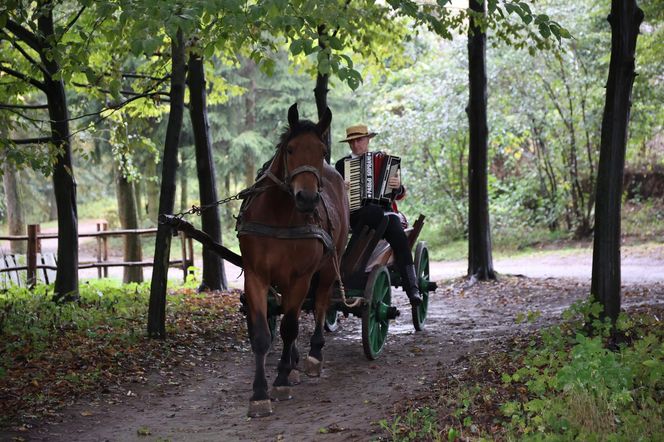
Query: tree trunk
[480, 261]
[249, 72]
[625, 19]
[151, 192]
[15, 213]
[128, 220]
[157, 308]
[182, 167]
[138, 195]
[66, 279]
[320, 93]
[214, 277]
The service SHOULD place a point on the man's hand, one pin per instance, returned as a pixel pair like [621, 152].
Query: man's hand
[395, 181]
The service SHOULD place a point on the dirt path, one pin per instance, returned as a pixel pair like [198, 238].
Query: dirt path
[206, 399]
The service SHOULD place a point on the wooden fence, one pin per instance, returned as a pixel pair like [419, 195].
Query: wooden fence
[39, 266]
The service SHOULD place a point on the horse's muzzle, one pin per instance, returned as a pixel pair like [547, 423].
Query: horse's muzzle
[306, 201]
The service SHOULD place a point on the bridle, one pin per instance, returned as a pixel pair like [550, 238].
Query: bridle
[285, 183]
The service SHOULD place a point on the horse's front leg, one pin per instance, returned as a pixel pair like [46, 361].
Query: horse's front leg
[291, 305]
[255, 290]
[314, 362]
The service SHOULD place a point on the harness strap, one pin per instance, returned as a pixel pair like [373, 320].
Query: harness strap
[308, 231]
[306, 168]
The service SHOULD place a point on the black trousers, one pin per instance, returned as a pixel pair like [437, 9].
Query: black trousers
[372, 216]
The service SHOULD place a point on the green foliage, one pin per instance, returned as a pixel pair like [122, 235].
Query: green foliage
[560, 384]
[79, 347]
[416, 425]
[579, 389]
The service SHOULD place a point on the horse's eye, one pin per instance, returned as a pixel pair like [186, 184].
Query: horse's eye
[289, 151]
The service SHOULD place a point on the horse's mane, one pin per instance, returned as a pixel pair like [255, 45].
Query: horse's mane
[303, 126]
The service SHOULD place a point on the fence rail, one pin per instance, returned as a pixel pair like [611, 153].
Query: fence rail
[102, 264]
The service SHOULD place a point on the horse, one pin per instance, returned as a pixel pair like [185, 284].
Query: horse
[292, 227]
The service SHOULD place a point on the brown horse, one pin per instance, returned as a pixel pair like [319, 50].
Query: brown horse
[294, 226]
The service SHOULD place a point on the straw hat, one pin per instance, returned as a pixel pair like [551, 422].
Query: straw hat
[357, 131]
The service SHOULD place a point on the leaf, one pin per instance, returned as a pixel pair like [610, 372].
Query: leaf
[296, 47]
[143, 431]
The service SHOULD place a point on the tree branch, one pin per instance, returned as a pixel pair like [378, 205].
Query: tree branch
[36, 83]
[23, 106]
[25, 54]
[71, 23]
[149, 77]
[24, 35]
[39, 140]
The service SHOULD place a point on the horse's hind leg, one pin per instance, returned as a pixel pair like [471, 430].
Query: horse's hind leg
[259, 332]
[291, 305]
[314, 361]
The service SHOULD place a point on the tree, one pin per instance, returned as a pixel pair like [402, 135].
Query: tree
[480, 261]
[157, 307]
[625, 19]
[214, 277]
[128, 215]
[44, 42]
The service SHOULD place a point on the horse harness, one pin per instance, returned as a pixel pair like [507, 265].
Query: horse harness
[313, 230]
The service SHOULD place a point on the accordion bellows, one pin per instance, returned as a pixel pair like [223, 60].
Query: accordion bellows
[368, 175]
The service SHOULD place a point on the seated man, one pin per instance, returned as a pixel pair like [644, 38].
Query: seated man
[371, 215]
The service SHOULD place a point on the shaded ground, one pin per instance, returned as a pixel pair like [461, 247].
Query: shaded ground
[206, 397]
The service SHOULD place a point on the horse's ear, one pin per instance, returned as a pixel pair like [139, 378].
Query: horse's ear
[293, 116]
[324, 123]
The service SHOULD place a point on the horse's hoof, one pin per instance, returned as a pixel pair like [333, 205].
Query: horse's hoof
[261, 408]
[294, 377]
[313, 367]
[281, 393]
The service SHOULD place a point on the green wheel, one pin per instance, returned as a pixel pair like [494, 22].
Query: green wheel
[375, 323]
[331, 322]
[423, 276]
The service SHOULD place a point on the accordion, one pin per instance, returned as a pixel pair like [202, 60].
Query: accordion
[368, 175]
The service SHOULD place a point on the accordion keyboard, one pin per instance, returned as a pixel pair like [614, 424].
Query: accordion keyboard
[353, 174]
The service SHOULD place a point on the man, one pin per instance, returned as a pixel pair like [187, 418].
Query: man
[371, 215]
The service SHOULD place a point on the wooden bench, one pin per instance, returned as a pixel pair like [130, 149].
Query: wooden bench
[15, 265]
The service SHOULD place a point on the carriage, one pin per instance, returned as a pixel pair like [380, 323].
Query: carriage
[368, 276]
[292, 227]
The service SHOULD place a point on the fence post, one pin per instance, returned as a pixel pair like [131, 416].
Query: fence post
[34, 247]
[104, 226]
[102, 249]
[190, 247]
[99, 271]
[183, 244]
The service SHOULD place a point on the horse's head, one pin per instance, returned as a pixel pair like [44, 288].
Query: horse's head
[304, 152]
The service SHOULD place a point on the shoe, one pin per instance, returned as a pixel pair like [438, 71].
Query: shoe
[411, 286]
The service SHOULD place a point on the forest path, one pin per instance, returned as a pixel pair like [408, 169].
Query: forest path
[206, 398]
[640, 264]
